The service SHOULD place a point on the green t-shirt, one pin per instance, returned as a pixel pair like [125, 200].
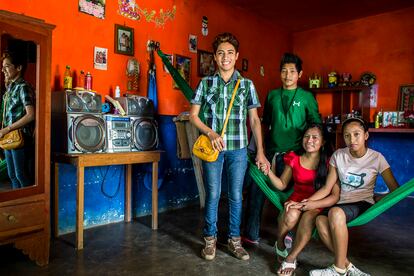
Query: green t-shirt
[287, 113]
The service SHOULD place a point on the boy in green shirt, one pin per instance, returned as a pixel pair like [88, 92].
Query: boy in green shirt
[287, 112]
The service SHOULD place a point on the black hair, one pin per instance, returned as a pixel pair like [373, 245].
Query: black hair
[324, 153]
[355, 119]
[291, 58]
[17, 59]
[225, 37]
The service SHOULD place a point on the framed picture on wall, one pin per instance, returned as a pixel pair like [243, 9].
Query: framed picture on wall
[183, 66]
[124, 40]
[406, 97]
[94, 8]
[245, 65]
[205, 63]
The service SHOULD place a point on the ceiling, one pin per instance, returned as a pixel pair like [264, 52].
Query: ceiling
[301, 15]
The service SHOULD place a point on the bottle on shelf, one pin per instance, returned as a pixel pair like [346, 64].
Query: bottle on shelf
[88, 81]
[117, 92]
[377, 120]
[81, 79]
[67, 78]
[380, 114]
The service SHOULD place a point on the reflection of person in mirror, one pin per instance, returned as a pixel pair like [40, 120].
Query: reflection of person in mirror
[18, 113]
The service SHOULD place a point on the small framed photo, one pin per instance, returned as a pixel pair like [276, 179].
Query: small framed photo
[100, 58]
[206, 65]
[245, 65]
[406, 97]
[192, 43]
[183, 66]
[124, 40]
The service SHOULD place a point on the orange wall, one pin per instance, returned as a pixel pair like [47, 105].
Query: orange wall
[382, 44]
[76, 34]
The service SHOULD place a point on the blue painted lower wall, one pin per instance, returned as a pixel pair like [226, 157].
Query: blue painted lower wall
[104, 186]
[398, 150]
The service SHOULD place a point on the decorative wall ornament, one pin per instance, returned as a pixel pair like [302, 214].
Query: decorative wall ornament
[130, 9]
[161, 18]
[95, 8]
[204, 26]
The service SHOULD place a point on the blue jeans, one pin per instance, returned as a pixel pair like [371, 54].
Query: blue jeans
[255, 203]
[236, 165]
[17, 167]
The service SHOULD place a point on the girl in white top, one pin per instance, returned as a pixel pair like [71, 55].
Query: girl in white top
[356, 167]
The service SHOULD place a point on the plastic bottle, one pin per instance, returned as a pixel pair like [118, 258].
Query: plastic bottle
[117, 92]
[380, 114]
[81, 79]
[88, 81]
[377, 120]
[67, 79]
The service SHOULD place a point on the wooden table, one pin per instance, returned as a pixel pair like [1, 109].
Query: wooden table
[80, 161]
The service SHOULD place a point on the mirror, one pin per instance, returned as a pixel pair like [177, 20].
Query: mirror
[19, 83]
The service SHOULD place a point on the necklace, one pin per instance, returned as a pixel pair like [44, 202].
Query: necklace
[286, 109]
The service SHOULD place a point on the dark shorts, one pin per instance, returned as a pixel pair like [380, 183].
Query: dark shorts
[351, 210]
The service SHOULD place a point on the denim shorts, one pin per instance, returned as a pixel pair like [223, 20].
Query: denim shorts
[351, 210]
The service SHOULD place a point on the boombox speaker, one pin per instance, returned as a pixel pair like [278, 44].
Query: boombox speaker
[75, 101]
[78, 133]
[144, 133]
[137, 106]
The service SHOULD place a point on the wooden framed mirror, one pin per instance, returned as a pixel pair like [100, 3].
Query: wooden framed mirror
[24, 212]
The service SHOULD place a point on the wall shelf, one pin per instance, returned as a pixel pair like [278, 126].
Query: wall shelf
[392, 130]
[348, 98]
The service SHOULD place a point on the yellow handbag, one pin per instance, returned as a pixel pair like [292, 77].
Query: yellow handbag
[202, 147]
[12, 140]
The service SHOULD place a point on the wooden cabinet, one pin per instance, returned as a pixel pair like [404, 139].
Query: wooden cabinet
[348, 98]
[25, 212]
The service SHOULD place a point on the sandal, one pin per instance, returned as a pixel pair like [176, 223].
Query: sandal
[281, 253]
[285, 265]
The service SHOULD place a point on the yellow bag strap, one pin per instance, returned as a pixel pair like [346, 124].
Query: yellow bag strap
[230, 106]
[4, 109]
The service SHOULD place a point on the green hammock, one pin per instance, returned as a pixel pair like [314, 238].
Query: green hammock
[275, 196]
[3, 170]
[179, 80]
[279, 197]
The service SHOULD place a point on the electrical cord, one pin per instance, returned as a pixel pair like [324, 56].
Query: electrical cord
[104, 175]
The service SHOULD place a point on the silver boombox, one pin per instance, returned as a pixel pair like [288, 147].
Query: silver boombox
[118, 133]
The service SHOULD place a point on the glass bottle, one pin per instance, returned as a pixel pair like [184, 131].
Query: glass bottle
[67, 79]
[81, 79]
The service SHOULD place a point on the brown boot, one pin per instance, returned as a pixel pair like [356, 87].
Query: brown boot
[209, 251]
[235, 247]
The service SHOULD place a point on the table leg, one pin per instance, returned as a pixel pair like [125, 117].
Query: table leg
[128, 177]
[80, 206]
[56, 200]
[155, 195]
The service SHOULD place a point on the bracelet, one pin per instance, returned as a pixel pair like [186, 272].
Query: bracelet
[208, 132]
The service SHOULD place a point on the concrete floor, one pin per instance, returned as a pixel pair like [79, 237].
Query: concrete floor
[384, 246]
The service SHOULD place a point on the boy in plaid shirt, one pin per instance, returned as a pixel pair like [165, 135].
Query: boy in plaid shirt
[18, 112]
[212, 98]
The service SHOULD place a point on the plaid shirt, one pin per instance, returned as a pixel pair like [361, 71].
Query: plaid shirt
[214, 96]
[19, 94]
